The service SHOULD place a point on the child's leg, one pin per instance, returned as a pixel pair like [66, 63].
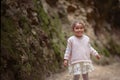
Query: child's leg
[76, 77]
[85, 76]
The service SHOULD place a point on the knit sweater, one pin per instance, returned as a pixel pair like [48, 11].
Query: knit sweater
[79, 49]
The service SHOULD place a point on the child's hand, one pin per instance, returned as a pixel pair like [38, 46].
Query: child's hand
[98, 56]
[65, 62]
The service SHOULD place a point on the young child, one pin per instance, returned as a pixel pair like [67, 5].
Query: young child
[78, 51]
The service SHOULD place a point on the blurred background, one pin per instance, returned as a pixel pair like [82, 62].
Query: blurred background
[34, 35]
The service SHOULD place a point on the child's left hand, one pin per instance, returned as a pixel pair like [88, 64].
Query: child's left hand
[98, 56]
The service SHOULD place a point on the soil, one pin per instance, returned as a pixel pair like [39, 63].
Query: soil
[107, 72]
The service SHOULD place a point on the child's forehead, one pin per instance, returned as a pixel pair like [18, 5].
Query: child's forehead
[78, 24]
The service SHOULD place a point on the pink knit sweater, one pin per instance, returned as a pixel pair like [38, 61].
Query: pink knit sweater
[79, 49]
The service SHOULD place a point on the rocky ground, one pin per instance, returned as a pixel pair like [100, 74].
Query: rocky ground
[108, 72]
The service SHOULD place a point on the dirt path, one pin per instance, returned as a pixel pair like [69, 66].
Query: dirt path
[109, 72]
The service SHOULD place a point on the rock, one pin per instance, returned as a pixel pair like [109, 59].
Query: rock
[52, 3]
[71, 8]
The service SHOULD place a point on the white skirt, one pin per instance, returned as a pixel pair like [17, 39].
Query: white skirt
[80, 68]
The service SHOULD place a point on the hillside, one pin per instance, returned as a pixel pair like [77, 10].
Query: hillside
[101, 19]
[34, 34]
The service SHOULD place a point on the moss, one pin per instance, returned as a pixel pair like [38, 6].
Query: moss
[24, 24]
[26, 68]
[117, 49]
[18, 42]
[42, 16]
[106, 52]
[8, 35]
[101, 50]
[8, 25]
[114, 48]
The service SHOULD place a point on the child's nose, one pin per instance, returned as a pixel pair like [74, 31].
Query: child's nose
[79, 29]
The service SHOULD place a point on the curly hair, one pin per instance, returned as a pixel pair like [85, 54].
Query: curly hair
[77, 22]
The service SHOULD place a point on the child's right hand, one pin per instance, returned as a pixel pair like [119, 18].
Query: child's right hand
[65, 62]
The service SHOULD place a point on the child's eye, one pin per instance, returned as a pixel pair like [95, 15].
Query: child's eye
[81, 27]
[76, 28]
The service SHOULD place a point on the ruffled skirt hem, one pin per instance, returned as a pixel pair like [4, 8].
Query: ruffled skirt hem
[80, 68]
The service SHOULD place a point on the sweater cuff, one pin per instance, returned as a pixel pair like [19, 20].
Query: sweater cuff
[66, 56]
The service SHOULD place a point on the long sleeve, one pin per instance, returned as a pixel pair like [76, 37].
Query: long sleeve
[93, 51]
[78, 49]
[68, 50]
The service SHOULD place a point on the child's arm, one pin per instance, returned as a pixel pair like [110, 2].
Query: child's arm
[94, 52]
[67, 52]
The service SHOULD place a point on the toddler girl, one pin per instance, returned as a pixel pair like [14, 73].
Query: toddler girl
[78, 51]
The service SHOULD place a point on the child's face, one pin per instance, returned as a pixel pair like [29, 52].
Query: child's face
[78, 30]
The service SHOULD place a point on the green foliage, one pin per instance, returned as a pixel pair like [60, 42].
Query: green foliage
[30, 52]
[105, 52]
[26, 68]
[24, 25]
[114, 48]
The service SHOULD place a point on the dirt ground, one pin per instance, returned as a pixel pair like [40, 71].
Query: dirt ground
[108, 72]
